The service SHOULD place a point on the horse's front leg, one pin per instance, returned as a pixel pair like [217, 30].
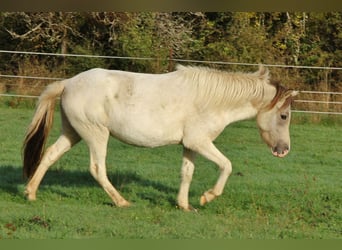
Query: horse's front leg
[186, 175]
[209, 151]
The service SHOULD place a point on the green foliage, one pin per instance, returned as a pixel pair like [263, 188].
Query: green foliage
[137, 41]
[81, 64]
[301, 38]
[297, 197]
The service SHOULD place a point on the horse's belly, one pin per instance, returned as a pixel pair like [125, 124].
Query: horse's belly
[146, 132]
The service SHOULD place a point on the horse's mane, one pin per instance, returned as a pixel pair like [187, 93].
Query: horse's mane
[212, 87]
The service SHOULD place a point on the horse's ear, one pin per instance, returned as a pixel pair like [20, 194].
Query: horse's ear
[290, 93]
[294, 93]
[263, 73]
[287, 98]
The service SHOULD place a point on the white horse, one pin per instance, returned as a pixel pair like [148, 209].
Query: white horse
[190, 106]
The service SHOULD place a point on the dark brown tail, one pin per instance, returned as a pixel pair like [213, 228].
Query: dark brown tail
[38, 130]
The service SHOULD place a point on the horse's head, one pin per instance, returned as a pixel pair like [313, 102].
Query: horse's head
[274, 121]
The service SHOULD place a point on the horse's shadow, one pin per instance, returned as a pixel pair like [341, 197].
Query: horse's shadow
[12, 182]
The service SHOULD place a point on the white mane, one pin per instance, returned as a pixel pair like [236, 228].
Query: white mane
[215, 87]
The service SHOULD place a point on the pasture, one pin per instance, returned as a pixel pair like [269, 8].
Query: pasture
[298, 197]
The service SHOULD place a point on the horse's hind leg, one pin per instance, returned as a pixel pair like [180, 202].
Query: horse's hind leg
[97, 143]
[68, 138]
[52, 154]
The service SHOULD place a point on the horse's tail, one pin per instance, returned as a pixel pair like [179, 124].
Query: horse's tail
[38, 130]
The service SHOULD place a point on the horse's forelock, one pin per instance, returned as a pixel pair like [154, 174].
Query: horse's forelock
[281, 91]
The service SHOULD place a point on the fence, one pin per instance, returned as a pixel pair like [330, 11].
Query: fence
[330, 102]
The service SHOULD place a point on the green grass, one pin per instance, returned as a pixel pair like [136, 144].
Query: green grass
[297, 197]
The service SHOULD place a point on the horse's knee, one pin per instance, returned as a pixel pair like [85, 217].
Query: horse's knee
[187, 170]
[226, 167]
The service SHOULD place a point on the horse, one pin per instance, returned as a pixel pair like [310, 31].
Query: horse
[190, 106]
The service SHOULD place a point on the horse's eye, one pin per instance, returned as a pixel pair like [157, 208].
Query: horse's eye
[283, 117]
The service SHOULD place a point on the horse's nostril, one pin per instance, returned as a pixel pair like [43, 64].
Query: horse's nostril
[283, 149]
[280, 150]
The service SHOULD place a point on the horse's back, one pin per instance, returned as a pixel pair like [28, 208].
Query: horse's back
[141, 109]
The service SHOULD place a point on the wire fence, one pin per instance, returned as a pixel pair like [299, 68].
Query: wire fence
[311, 104]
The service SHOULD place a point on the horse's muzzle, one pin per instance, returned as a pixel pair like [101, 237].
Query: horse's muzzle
[280, 150]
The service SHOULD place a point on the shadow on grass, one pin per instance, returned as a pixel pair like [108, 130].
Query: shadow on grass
[11, 179]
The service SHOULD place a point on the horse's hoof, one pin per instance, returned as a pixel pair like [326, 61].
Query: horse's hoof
[124, 203]
[207, 197]
[29, 196]
[192, 209]
[189, 208]
[203, 200]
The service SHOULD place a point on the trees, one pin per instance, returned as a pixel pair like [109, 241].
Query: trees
[296, 38]
[54, 32]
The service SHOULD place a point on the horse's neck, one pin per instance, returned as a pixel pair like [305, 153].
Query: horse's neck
[269, 93]
[250, 109]
[243, 112]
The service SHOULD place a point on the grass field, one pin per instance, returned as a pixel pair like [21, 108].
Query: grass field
[298, 197]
